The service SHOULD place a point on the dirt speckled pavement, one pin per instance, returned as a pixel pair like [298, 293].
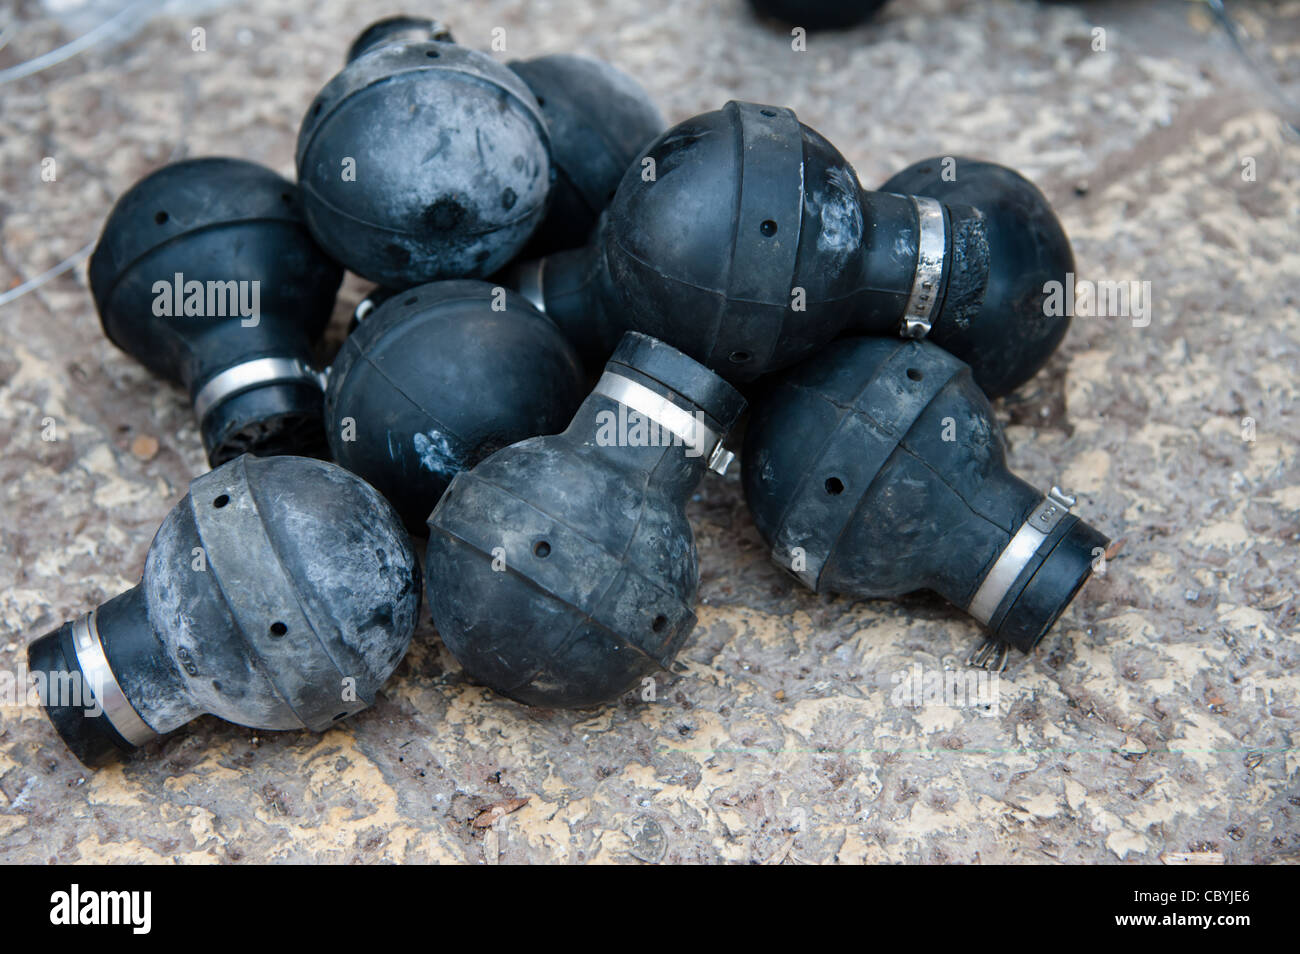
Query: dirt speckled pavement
[1158, 719]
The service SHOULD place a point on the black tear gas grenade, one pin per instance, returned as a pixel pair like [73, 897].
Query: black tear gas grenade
[743, 238]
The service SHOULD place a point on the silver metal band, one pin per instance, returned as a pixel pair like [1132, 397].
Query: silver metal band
[251, 374]
[528, 282]
[365, 308]
[931, 249]
[1018, 553]
[96, 671]
[676, 420]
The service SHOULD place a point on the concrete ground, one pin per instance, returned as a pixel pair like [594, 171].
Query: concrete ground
[1156, 721]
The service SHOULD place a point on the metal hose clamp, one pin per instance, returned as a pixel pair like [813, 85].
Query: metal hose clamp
[96, 671]
[931, 250]
[1044, 518]
[252, 374]
[676, 420]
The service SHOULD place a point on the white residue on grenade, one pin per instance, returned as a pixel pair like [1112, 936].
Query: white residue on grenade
[841, 216]
[437, 454]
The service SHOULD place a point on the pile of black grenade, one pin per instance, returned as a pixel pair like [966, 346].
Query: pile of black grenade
[545, 427]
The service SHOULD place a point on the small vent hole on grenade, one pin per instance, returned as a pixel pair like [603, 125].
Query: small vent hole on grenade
[834, 486]
[541, 549]
[659, 623]
[278, 629]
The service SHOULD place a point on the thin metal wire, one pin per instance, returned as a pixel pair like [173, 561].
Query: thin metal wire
[1239, 39]
[79, 256]
[81, 43]
[69, 263]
